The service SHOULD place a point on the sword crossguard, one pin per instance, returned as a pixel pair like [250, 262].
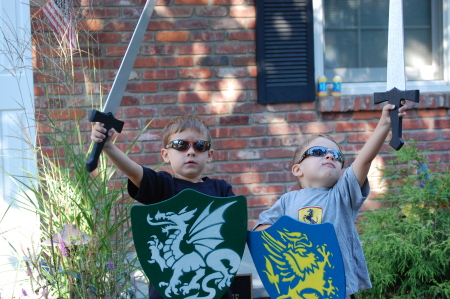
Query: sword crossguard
[395, 96]
[110, 122]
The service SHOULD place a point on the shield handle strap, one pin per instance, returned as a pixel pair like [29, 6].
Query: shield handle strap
[110, 122]
[395, 96]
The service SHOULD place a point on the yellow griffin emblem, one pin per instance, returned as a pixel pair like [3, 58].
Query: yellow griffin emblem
[294, 260]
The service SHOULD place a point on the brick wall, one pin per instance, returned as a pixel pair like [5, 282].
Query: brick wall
[198, 57]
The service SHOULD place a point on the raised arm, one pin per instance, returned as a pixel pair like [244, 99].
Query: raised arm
[127, 166]
[364, 159]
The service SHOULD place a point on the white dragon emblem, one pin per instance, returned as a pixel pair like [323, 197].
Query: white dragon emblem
[190, 251]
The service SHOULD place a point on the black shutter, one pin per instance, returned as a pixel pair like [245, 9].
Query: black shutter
[285, 51]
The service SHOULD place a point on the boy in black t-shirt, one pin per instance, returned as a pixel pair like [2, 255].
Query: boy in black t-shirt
[187, 148]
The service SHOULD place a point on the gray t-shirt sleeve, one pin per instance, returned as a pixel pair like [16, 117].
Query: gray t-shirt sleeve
[349, 191]
[271, 215]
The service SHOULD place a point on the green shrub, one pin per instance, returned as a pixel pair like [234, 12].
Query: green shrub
[407, 242]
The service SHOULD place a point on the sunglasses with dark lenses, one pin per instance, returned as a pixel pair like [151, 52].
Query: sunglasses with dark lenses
[184, 145]
[320, 151]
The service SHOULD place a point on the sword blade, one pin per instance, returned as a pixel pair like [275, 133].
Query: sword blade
[120, 82]
[396, 61]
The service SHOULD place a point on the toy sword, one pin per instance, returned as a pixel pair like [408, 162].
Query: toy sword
[396, 78]
[120, 83]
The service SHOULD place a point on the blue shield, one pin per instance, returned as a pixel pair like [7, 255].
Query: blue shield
[298, 260]
[191, 246]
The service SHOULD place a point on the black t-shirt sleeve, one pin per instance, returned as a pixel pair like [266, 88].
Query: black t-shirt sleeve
[154, 187]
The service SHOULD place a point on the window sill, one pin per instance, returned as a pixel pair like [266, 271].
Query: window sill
[348, 103]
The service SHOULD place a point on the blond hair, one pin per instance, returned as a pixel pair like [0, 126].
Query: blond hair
[184, 122]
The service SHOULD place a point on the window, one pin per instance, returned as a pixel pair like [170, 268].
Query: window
[355, 39]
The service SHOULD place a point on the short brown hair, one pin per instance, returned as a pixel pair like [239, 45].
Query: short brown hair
[305, 142]
[181, 123]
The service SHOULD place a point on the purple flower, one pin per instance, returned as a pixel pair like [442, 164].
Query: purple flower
[110, 264]
[62, 247]
[24, 293]
[44, 292]
[106, 296]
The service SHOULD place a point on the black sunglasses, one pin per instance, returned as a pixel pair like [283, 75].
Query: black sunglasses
[184, 145]
[320, 151]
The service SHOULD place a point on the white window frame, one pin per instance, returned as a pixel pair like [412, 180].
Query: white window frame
[371, 87]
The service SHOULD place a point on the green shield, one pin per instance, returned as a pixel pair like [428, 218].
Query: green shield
[191, 246]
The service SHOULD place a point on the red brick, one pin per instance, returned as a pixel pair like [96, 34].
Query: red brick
[302, 117]
[145, 136]
[191, 24]
[107, 38]
[241, 191]
[207, 36]
[177, 110]
[142, 87]
[441, 123]
[230, 143]
[178, 85]
[283, 129]
[265, 142]
[194, 97]
[65, 114]
[160, 99]
[351, 127]
[61, 89]
[212, 11]
[227, 24]
[316, 128]
[247, 155]
[175, 12]
[119, 3]
[213, 60]
[359, 137]
[243, 12]
[247, 178]
[141, 62]
[100, 13]
[242, 35]
[446, 134]
[115, 50]
[228, 2]
[221, 156]
[160, 25]
[145, 159]
[252, 71]
[332, 116]
[230, 72]
[158, 50]
[271, 189]
[159, 74]
[120, 25]
[243, 60]
[231, 49]
[439, 146]
[176, 61]
[279, 153]
[221, 132]
[358, 115]
[172, 36]
[153, 147]
[140, 112]
[148, 37]
[195, 73]
[250, 131]
[213, 109]
[267, 166]
[191, 2]
[132, 124]
[248, 108]
[229, 96]
[194, 49]
[414, 124]
[424, 135]
[234, 167]
[233, 120]
[136, 148]
[278, 177]
[432, 112]
[158, 122]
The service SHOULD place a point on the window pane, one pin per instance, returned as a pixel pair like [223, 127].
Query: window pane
[341, 49]
[341, 13]
[374, 13]
[373, 49]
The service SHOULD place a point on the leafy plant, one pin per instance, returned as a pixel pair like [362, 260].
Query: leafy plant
[407, 241]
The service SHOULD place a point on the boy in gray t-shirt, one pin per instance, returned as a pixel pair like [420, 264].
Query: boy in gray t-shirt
[330, 195]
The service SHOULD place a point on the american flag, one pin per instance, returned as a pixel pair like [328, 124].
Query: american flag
[59, 14]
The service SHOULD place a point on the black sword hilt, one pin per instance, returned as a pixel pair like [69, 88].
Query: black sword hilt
[395, 97]
[110, 122]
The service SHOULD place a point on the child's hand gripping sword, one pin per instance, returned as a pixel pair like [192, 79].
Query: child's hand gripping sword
[120, 82]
